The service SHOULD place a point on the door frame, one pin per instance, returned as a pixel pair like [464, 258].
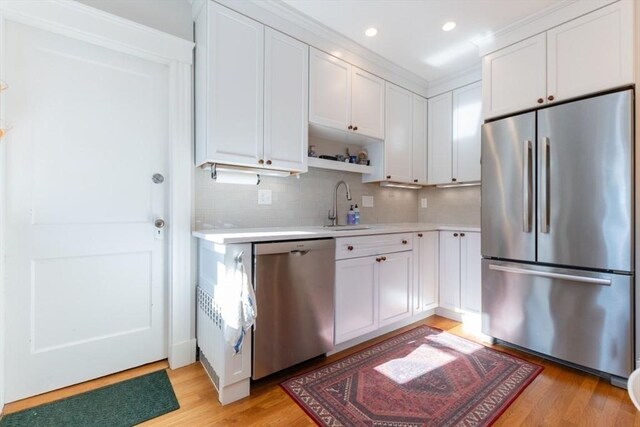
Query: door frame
[84, 23]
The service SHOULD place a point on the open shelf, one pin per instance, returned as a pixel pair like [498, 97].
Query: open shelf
[315, 162]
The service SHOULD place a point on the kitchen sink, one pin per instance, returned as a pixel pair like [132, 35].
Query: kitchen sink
[347, 227]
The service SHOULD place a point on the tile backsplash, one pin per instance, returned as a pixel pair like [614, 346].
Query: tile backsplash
[450, 205]
[303, 200]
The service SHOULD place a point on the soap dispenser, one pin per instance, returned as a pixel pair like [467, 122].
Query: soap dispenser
[351, 216]
[356, 217]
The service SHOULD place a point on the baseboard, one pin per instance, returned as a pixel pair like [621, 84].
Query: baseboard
[182, 354]
[384, 330]
[449, 314]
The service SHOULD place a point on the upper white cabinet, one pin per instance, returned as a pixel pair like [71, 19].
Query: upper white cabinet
[345, 97]
[405, 142]
[590, 53]
[286, 88]
[586, 55]
[440, 140]
[467, 119]
[251, 93]
[514, 78]
[454, 136]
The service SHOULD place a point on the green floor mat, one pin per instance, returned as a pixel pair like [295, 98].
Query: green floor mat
[123, 404]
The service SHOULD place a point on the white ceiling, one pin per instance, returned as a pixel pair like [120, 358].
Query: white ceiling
[410, 31]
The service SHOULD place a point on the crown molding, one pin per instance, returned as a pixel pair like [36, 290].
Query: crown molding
[282, 17]
[455, 80]
[541, 21]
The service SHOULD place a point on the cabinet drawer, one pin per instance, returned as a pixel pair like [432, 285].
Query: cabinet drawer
[359, 246]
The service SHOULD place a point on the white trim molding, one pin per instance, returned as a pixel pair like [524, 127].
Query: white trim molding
[456, 80]
[81, 22]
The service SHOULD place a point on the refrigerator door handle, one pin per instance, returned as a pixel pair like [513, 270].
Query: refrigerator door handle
[544, 186]
[550, 275]
[526, 187]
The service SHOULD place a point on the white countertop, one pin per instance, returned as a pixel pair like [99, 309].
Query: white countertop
[247, 235]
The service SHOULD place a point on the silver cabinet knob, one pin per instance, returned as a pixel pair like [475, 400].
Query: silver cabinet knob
[159, 223]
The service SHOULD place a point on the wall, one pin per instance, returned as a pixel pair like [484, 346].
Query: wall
[170, 16]
[297, 201]
[459, 206]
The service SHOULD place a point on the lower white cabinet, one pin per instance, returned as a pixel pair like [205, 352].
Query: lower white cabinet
[371, 292]
[460, 271]
[425, 271]
[356, 297]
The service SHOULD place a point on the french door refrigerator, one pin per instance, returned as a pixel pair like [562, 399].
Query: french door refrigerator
[557, 232]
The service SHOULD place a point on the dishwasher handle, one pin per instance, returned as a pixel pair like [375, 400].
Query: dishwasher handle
[297, 248]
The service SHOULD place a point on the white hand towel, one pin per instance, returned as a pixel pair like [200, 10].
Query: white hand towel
[239, 309]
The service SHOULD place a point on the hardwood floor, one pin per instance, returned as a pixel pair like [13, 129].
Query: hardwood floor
[559, 396]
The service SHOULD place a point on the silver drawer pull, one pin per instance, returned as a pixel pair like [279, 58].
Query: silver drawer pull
[571, 277]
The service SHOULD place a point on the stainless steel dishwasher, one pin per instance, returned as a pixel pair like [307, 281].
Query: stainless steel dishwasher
[294, 285]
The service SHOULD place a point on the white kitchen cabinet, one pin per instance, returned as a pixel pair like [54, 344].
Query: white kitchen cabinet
[345, 97]
[470, 273]
[425, 271]
[286, 121]
[440, 139]
[467, 119]
[251, 90]
[460, 275]
[591, 53]
[405, 144]
[514, 78]
[329, 90]
[583, 56]
[394, 287]
[356, 281]
[398, 138]
[419, 138]
[454, 136]
[374, 277]
[367, 103]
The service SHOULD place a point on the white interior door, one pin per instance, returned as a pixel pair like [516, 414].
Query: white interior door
[85, 270]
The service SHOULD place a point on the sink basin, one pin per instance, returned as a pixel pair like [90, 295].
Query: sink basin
[347, 227]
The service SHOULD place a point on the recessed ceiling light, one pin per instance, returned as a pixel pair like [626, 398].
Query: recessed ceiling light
[448, 26]
[371, 32]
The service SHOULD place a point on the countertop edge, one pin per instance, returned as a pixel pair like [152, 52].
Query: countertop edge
[253, 235]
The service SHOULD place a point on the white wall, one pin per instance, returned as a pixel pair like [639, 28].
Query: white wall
[170, 16]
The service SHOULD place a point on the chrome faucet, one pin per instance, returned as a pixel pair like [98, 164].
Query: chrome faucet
[333, 214]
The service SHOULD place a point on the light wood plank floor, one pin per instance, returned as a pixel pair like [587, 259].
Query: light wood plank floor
[559, 396]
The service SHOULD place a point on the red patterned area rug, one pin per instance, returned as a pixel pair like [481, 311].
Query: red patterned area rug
[423, 377]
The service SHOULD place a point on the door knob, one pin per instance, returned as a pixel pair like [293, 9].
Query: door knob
[419, 234]
[260, 162]
[551, 98]
[384, 258]
[159, 223]
[404, 242]
[455, 234]
[349, 127]
[540, 100]
[350, 247]
[355, 128]
[157, 178]
[461, 234]
[268, 162]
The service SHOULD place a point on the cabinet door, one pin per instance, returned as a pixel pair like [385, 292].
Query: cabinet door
[234, 131]
[591, 53]
[470, 273]
[429, 268]
[367, 103]
[467, 118]
[286, 106]
[356, 298]
[398, 139]
[440, 139]
[419, 140]
[395, 287]
[329, 91]
[450, 270]
[514, 78]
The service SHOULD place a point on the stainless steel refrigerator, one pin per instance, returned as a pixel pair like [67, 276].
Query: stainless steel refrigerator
[558, 231]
